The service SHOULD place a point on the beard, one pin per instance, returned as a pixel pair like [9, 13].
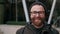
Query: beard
[37, 22]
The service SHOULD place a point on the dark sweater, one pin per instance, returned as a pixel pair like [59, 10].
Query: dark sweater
[30, 29]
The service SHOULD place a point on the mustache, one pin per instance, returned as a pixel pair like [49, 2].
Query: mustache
[36, 18]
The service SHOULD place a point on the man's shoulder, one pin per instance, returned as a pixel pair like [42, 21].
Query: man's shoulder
[55, 31]
[20, 31]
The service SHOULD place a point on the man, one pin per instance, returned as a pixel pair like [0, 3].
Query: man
[37, 13]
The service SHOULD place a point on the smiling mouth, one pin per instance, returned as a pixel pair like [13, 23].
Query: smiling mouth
[37, 19]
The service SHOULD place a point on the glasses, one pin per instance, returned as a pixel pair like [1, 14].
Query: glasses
[37, 12]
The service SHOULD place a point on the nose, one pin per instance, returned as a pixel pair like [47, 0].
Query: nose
[37, 15]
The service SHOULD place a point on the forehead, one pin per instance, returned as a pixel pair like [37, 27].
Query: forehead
[37, 8]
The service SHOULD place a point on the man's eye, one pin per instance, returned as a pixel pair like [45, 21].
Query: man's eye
[35, 12]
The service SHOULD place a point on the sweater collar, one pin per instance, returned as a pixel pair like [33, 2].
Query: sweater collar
[33, 28]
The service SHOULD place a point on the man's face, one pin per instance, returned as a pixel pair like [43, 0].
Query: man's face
[37, 14]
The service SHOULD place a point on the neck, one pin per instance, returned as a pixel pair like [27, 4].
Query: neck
[37, 26]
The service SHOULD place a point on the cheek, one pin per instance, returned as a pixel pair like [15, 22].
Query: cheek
[42, 15]
[31, 16]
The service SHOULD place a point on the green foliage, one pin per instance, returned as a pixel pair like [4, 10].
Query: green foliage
[1, 0]
[16, 23]
[1, 13]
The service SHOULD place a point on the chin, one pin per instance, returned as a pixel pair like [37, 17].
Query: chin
[38, 24]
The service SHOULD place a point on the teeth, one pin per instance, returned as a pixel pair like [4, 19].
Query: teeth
[37, 20]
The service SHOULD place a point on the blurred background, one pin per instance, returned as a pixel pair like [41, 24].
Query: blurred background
[12, 15]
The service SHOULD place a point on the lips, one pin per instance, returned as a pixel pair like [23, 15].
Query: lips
[37, 20]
